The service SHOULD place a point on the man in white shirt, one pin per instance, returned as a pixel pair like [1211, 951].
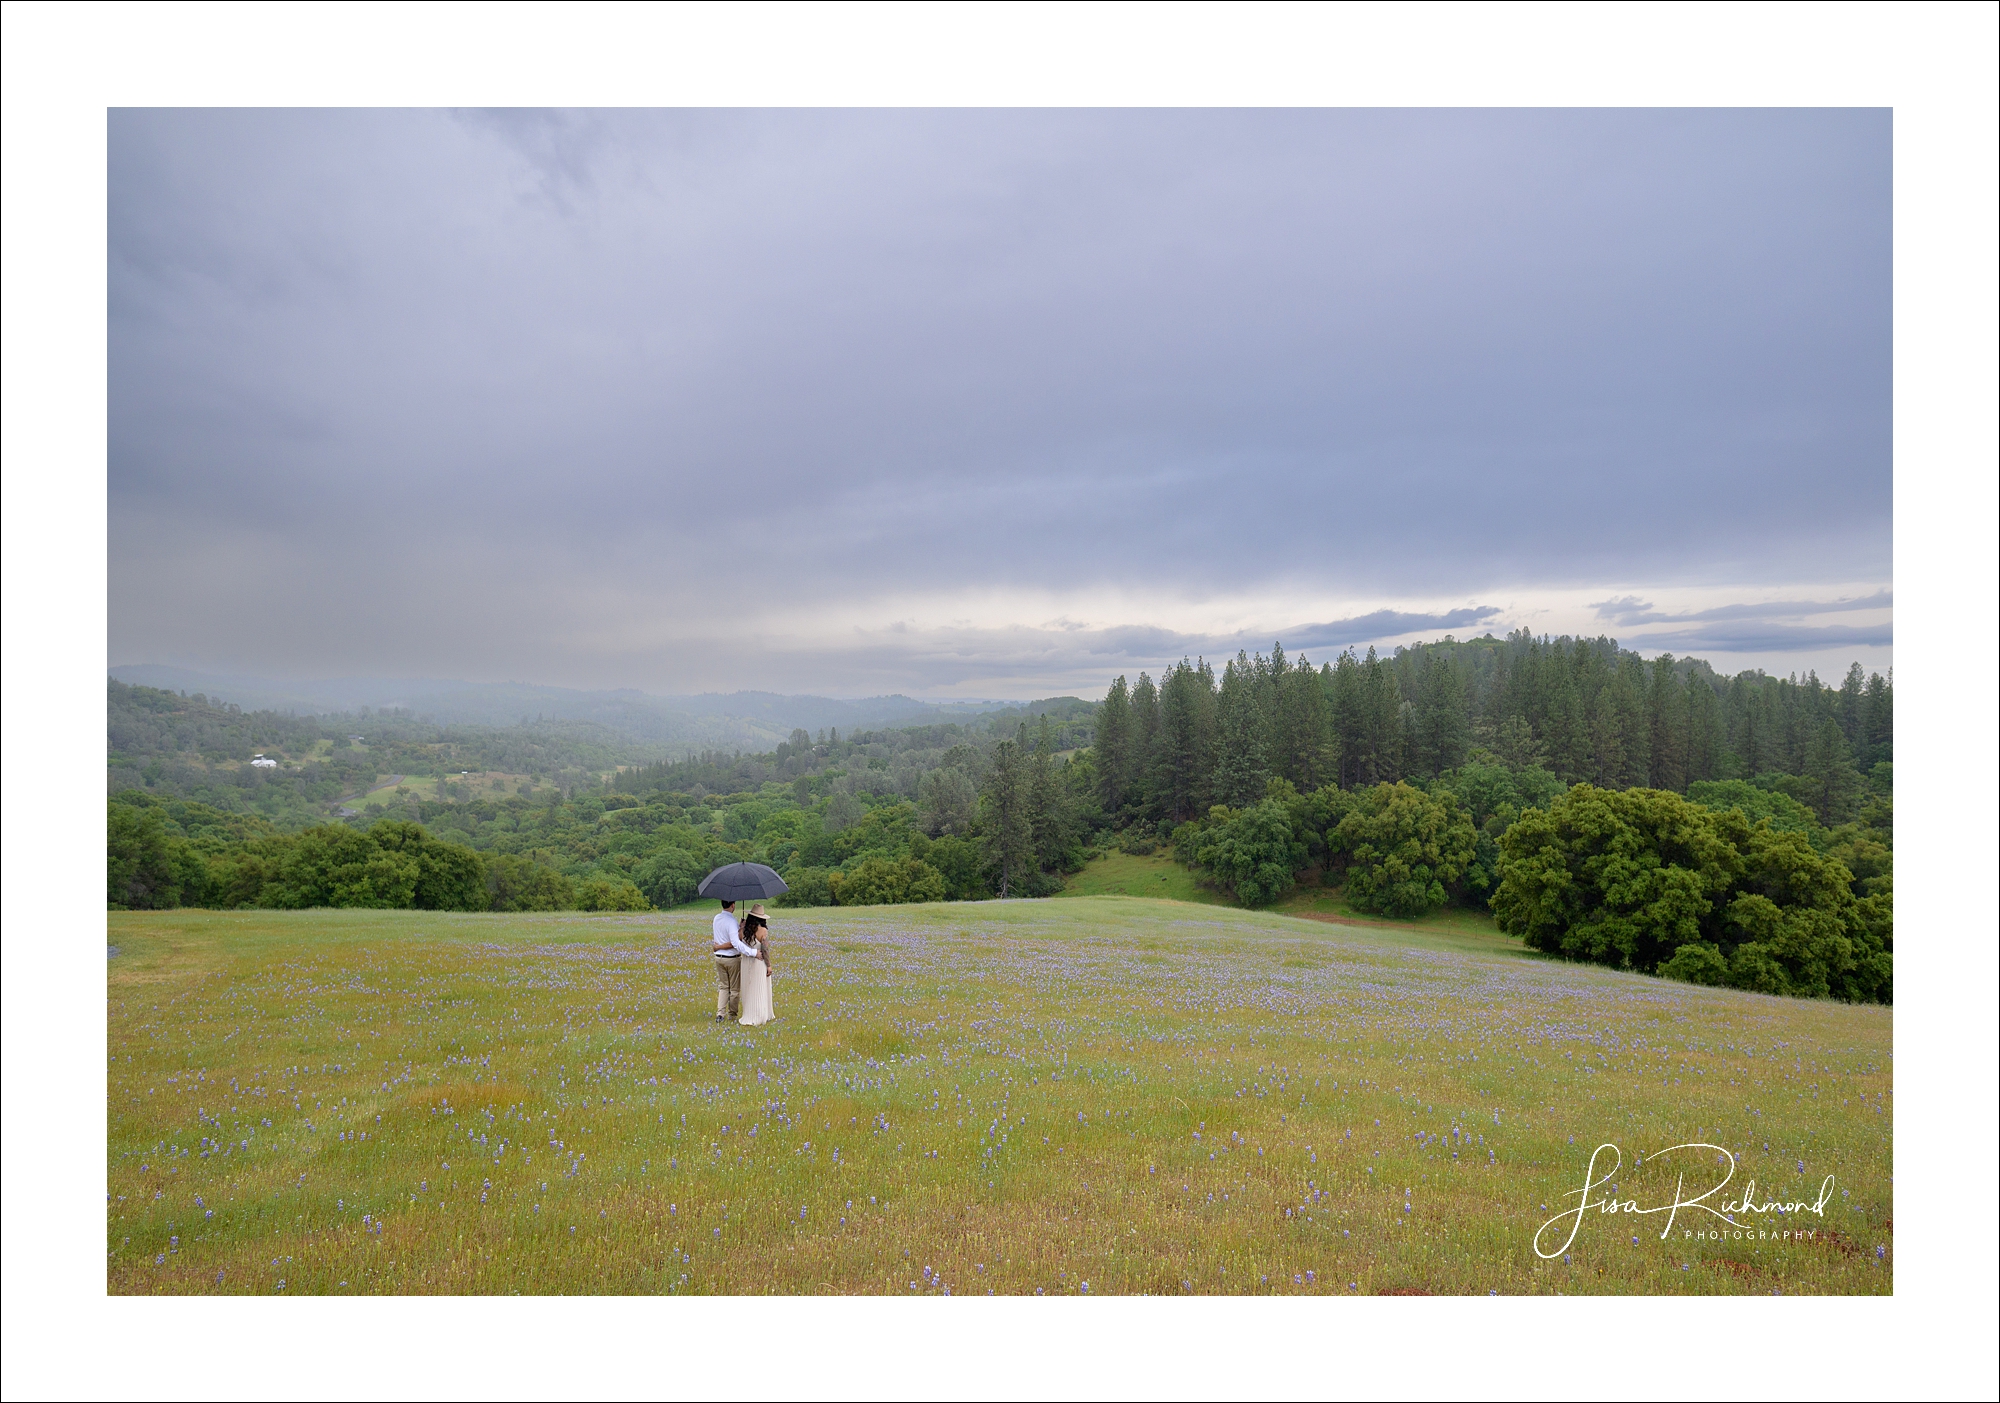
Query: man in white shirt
[729, 951]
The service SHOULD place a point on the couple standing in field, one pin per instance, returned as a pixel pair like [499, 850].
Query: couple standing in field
[742, 958]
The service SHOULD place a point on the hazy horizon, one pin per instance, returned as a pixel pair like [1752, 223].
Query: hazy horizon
[337, 693]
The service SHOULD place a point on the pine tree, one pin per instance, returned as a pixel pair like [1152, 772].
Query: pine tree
[1704, 727]
[1759, 742]
[1180, 760]
[1205, 732]
[1005, 817]
[1829, 768]
[1667, 711]
[1275, 723]
[1050, 826]
[1113, 744]
[1774, 707]
[1515, 741]
[1240, 772]
[1567, 729]
[1443, 729]
[1498, 707]
[1798, 723]
[1308, 726]
[1145, 730]
[1607, 746]
[1878, 720]
[1853, 690]
[1349, 718]
[1588, 669]
[1627, 691]
[1330, 751]
[1531, 688]
[1383, 728]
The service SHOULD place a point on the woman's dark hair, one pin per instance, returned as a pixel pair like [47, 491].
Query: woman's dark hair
[752, 922]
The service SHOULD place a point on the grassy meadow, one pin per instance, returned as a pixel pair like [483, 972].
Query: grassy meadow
[1123, 874]
[1126, 874]
[1142, 1095]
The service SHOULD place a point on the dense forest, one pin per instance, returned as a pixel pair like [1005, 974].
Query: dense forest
[1648, 814]
[1581, 709]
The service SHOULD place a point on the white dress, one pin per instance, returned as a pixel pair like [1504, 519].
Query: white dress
[756, 993]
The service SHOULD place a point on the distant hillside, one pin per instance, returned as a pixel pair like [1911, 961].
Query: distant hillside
[815, 713]
[753, 720]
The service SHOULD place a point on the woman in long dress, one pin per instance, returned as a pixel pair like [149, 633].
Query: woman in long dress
[757, 972]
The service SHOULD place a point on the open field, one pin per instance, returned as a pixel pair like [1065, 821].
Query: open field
[379, 789]
[1147, 1096]
[1122, 874]
[1156, 875]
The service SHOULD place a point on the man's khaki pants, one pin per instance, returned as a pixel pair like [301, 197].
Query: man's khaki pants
[728, 986]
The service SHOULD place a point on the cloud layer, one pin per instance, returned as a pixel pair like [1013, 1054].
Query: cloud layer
[930, 401]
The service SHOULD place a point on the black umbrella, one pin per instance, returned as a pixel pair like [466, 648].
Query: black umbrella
[741, 881]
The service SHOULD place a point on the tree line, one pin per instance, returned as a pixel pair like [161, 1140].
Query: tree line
[1582, 709]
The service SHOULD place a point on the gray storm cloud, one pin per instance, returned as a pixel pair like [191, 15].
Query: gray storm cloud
[661, 399]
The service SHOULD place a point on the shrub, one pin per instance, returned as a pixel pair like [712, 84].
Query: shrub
[1617, 877]
[947, 802]
[518, 883]
[333, 865]
[449, 877]
[1697, 963]
[140, 860]
[1252, 851]
[1642, 879]
[1784, 812]
[960, 863]
[1404, 850]
[237, 876]
[1801, 928]
[807, 886]
[883, 881]
[1487, 788]
[669, 877]
[610, 894]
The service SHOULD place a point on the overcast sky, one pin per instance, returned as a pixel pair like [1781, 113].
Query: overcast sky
[990, 403]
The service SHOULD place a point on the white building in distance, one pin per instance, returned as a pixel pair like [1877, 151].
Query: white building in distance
[263, 763]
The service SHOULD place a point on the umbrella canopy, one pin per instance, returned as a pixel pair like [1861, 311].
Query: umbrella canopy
[741, 881]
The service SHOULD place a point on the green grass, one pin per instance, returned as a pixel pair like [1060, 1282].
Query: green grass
[1475, 927]
[1150, 1096]
[1122, 874]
